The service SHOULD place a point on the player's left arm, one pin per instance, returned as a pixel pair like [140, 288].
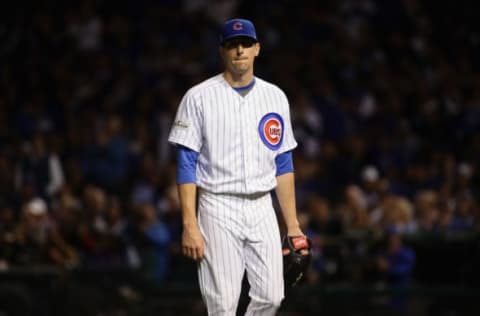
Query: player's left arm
[285, 192]
[285, 175]
[295, 250]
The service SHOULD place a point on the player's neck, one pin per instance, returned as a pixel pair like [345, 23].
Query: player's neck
[238, 80]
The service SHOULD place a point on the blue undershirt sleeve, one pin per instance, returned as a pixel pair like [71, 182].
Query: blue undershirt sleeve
[186, 165]
[284, 163]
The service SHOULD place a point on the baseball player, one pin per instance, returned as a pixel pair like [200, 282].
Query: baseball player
[234, 139]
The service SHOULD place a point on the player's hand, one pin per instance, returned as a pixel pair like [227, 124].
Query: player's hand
[193, 245]
[296, 231]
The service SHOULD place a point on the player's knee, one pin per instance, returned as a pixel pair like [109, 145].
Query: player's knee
[268, 302]
[222, 310]
[276, 301]
[223, 305]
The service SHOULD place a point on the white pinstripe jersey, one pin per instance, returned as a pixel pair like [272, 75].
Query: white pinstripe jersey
[237, 137]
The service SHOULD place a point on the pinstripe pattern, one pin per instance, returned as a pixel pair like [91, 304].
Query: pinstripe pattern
[235, 173]
[239, 236]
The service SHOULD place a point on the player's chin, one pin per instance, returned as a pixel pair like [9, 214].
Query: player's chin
[240, 69]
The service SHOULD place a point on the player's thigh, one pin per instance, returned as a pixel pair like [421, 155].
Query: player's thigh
[224, 256]
[264, 262]
[222, 268]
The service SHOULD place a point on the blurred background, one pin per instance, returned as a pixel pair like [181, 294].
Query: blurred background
[385, 101]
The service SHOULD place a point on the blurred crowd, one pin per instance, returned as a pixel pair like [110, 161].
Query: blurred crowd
[385, 101]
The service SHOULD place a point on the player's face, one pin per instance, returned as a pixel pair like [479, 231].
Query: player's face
[239, 54]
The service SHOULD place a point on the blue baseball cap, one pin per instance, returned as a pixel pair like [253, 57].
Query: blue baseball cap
[237, 28]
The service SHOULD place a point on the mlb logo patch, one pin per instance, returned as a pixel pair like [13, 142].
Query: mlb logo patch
[270, 129]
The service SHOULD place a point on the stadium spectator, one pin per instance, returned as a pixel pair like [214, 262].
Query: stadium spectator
[37, 241]
[427, 211]
[398, 216]
[106, 161]
[354, 210]
[394, 263]
[39, 170]
[151, 238]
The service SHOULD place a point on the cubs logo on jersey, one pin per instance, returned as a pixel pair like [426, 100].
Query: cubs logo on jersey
[271, 130]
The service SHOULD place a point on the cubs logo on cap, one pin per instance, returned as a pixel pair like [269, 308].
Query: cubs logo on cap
[270, 129]
[237, 28]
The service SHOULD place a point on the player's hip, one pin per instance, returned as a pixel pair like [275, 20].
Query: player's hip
[251, 189]
[233, 199]
[235, 210]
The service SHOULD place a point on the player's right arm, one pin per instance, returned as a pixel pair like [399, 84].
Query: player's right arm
[192, 240]
[186, 135]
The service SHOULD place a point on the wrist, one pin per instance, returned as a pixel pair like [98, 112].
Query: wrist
[293, 226]
[294, 230]
[190, 224]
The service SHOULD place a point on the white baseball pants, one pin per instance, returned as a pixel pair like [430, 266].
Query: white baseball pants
[241, 234]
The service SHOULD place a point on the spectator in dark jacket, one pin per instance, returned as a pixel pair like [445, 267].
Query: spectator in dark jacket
[394, 263]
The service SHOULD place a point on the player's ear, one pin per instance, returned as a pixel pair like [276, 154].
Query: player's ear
[257, 49]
